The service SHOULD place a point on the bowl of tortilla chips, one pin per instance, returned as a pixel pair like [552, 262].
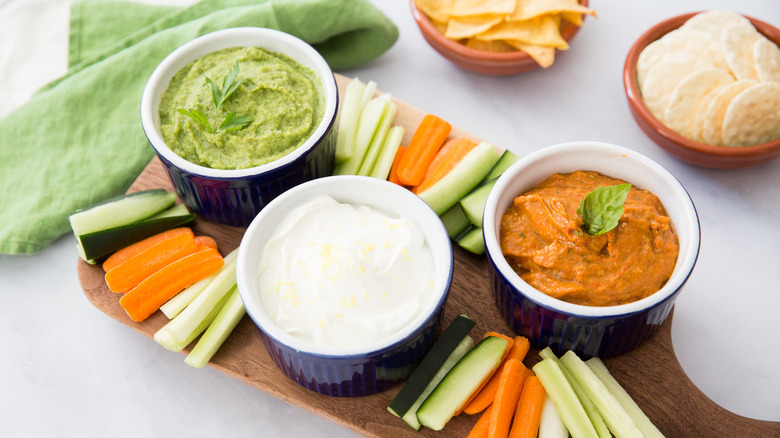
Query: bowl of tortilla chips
[500, 37]
[705, 87]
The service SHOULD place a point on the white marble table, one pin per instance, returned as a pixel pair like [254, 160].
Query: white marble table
[68, 369]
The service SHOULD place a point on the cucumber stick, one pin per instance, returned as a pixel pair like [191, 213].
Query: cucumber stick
[507, 159]
[121, 210]
[114, 224]
[466, 377]
[349, 114]
[462, 179]
[463, 347]
[455, 221]
[472, 240]
[431, 364]
[473, 204]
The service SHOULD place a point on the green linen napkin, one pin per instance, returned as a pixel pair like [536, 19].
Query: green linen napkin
[79, 140]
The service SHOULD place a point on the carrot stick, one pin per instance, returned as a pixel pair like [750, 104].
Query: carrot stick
[425, 143]
[129, 273]
[129, 251]
[393, 177]
[519, 349]
[480, 429]
[513, 377]
[510, 343]
[204, 242]
[164, 284]
[445, 160]
[529, 409]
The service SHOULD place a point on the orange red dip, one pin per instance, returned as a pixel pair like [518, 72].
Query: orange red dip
[542, 238]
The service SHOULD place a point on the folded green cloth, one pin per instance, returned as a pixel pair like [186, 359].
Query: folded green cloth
[79, 140]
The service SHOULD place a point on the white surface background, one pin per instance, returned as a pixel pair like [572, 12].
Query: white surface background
[68, 369]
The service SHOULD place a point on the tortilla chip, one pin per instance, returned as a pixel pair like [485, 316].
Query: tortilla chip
[436, 10]
[461, 8]
[468, 26]
[489, 46]
[574, 18]
[540, 31]
[440, 26]
[544, 56]
[528, 9]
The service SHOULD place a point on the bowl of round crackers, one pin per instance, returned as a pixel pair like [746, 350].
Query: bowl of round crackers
[501, 37]
[705, 87]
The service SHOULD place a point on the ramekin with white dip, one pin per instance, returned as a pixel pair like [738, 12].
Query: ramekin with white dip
[346, 278]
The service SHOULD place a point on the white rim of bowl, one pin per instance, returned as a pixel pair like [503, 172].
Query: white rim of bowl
[269, 39]
[685, 261]
[436, 235]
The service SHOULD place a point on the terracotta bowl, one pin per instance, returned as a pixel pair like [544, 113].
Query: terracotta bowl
[700, 154]
[480, 61]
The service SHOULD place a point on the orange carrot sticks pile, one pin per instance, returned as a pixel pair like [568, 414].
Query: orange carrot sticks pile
[132, 271]
[129, 251]
[152, 271]
[155, 290]
[425, 143]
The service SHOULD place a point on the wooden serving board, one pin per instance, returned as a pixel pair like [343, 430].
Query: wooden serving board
[650, 373]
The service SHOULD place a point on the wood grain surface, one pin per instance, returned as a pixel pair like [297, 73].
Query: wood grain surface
[650, 373]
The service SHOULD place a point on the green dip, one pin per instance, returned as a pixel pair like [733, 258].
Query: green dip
[284, 99]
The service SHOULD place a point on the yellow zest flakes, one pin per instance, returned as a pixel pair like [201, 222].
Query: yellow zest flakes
[321, 323]
[383, 295]
[405, 253]
[347, 303]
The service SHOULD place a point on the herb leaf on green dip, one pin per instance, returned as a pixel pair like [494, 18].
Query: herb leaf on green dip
[220, 95]
[602, 208]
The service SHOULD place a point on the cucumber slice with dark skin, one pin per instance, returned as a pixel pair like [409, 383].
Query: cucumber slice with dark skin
[472, 240]
[466, 377]
[473, 204]
[455, 221]
[463, 347]
[507, 159]
[122, 210]
[100, 244]
[117, 214]
[430, 365]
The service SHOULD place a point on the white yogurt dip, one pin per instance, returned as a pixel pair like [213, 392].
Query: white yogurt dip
[344, 276]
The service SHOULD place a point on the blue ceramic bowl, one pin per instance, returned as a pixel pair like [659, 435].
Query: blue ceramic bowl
[349, 370]
[234, 197]
[588, 330]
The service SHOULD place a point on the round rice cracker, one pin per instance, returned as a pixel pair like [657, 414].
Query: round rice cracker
[753, 117]
[715, 21]
[766, 56]
[663, 78]
[712, 119]
[680, 42]
[738, 42]
[687, 97]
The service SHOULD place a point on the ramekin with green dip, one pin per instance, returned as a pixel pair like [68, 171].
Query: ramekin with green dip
[238, 116]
